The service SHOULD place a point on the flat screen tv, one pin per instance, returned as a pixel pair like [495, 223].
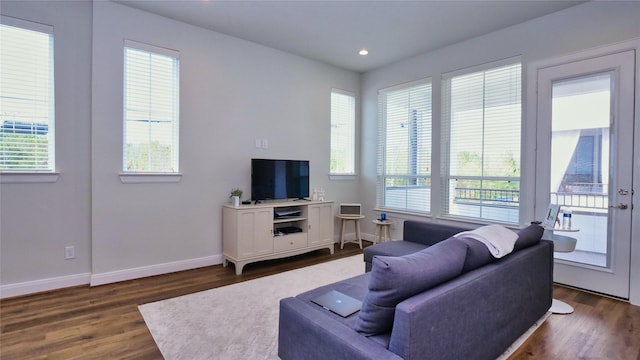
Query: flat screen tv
[279, 179]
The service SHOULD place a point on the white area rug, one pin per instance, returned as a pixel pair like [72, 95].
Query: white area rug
[238, 321]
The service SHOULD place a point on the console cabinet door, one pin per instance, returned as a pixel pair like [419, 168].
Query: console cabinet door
[255, 232]
[320, 224]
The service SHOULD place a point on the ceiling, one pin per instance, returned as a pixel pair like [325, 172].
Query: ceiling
[334, 31]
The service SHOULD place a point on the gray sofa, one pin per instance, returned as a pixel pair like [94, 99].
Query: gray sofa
[472, 306]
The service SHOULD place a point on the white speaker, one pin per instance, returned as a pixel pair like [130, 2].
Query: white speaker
[350, 209]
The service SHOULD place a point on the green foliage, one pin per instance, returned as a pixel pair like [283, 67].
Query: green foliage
[505, 166]
[236, 192]
[24, 152]
[151, 157]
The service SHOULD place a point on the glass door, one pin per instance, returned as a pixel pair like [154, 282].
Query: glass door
[585, 128]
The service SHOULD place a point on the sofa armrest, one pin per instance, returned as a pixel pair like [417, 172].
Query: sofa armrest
[306, 333]
[479, 314]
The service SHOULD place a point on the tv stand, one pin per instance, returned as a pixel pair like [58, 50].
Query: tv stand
[252, 233]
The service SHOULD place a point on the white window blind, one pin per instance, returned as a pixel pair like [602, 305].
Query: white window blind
[27, 141]
[404, 147]
[343, 132]
[482, 121]
[151, 93]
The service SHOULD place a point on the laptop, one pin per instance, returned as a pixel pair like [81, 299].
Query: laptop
[338, 303]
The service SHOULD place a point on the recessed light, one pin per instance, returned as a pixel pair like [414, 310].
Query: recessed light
[363, 52]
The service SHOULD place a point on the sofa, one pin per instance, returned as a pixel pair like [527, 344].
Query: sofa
[428, 296]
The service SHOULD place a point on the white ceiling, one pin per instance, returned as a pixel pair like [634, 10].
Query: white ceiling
[334, 31]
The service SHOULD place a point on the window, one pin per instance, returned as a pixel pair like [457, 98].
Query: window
[343, 132]
[404, 154]
[482, 120]
[27, 141]
[150, 109]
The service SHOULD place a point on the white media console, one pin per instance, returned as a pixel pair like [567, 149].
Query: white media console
[277, 229]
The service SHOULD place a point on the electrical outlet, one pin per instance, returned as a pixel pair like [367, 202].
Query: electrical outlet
[265, 143]
[69, 252]
[258, 143]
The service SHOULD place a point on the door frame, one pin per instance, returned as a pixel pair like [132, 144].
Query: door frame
[529, 146]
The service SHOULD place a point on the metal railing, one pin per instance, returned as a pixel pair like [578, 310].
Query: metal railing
[480, 196]
[583, 195]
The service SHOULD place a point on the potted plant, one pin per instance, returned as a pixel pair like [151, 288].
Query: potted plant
[235, 196]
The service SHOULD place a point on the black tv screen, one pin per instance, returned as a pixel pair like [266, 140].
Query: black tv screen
[279, 179]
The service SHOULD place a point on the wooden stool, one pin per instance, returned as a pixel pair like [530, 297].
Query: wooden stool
[383, 230]
[356, 222]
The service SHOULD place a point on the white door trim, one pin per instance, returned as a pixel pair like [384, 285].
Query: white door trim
[528, 191]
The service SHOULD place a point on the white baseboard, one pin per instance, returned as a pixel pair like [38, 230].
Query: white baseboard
[36, 286]
[151, 270]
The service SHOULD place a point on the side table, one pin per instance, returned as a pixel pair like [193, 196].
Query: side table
[561, 243]
[356, 222]
[383, 232]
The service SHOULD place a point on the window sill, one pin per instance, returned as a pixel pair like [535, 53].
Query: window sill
[149, 178]
[28, 177]
[343, 176]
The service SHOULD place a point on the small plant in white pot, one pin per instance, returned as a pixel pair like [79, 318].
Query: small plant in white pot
[235, 196]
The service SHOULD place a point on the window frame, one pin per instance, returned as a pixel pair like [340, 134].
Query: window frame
[446, 141]
[38, 175]
[382, 173]
[141, 176]
[351, 132]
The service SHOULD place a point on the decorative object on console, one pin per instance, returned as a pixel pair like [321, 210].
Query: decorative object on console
[235, 196]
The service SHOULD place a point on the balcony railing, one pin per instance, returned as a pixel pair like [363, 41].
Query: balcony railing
[479, 196]
[583, 195]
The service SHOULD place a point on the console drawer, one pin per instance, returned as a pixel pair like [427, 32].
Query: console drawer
[290, 242]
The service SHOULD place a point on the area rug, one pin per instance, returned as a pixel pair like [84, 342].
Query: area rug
[240, 321]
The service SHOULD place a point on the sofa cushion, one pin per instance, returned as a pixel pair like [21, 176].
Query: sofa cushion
[477, 254]
[394, 279]
[528, 236]
[392, 248]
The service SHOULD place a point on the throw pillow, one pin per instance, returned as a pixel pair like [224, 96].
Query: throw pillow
[528, 236]
[394, 279]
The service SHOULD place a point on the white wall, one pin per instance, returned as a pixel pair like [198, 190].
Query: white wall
[232, 92]
[38, 220]
[578, 28]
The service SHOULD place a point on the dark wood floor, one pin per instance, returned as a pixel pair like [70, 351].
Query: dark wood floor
[103, 322]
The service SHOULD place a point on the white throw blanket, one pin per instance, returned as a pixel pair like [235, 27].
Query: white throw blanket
[498, 239]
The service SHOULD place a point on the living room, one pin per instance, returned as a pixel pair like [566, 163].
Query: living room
[232, 92]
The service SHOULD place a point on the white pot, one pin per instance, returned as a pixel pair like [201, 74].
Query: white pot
[236, 200]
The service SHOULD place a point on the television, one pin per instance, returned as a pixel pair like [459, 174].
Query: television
[279, 179]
